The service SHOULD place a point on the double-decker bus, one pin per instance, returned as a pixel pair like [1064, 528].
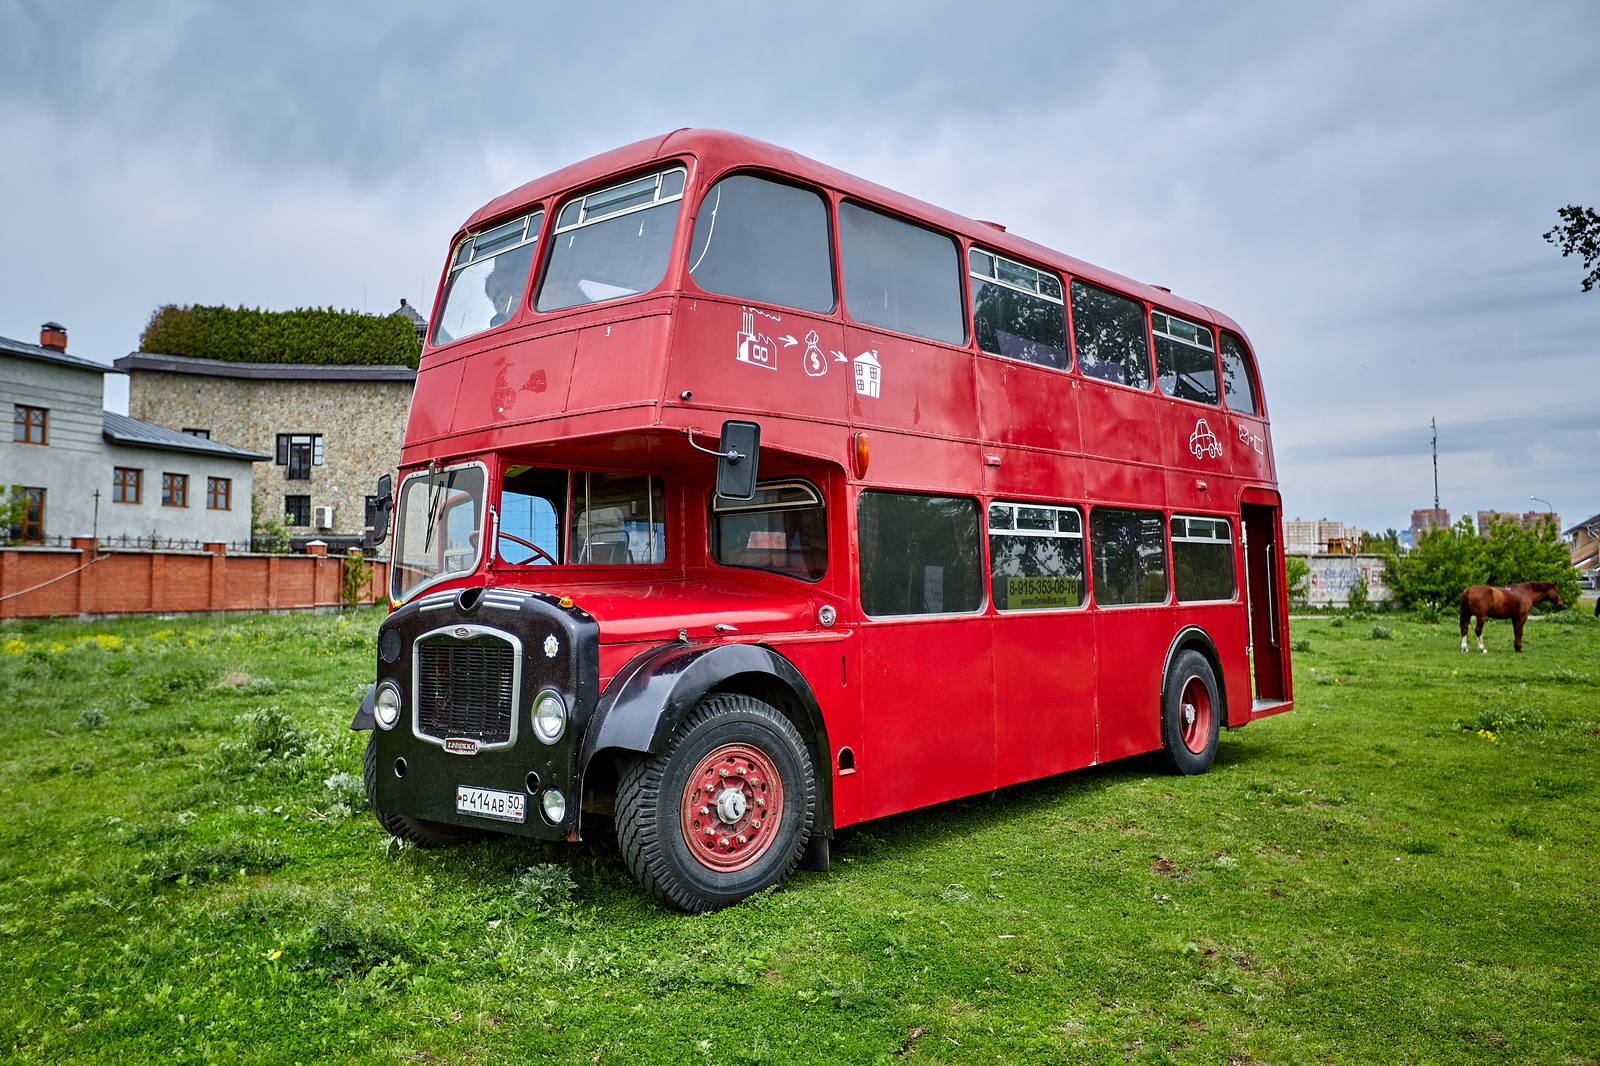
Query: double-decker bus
[976, 513]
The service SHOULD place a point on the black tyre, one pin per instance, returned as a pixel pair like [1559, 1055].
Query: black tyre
[724, 812]
[419, 831]
[1191, 714]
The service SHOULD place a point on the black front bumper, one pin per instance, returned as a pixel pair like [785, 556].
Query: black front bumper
[469, 665]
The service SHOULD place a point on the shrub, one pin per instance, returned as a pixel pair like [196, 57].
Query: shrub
[544, 888]
[1357, 600]
[199, 863]
[1380, 633]
[1300, 645]
[304, 335]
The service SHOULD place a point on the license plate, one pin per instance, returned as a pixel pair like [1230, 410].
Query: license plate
[491, 803]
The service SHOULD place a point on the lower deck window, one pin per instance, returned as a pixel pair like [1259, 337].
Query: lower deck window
[919, 554]
[1130, 556]
[1035, 556]
[1202, 558]
[783, 530]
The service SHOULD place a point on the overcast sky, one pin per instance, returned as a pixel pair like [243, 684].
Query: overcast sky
[1363, 188]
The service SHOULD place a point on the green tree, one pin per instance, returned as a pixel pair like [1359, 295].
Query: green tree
[1446, 561]
[267, 531]
[1579, 234]
[13, 509]
[1296, 570]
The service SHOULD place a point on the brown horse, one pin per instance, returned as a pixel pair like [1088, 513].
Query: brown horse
[1513, 602]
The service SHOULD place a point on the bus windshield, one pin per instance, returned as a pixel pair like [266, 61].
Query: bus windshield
[438, 522]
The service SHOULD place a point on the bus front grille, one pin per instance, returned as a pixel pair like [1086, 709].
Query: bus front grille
[466, 688]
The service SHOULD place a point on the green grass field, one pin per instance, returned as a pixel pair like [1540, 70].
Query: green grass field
[1403, 870]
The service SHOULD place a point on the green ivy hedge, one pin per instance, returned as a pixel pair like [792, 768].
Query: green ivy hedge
[304, 335]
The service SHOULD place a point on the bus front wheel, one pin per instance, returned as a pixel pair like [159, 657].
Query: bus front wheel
[724, 811]
[1191, 714]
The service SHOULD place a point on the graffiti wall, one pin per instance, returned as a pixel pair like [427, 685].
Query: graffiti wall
[1332, 576]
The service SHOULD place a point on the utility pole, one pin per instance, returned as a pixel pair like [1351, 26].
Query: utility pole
[1434, 422]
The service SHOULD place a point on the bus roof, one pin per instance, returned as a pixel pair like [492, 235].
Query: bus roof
[719, 152]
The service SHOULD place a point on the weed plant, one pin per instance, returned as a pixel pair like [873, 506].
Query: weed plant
[1401, 870]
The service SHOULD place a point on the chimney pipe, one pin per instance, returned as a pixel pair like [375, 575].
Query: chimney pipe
[53, 335]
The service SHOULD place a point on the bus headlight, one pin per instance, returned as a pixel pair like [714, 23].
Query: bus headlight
[549, 717]
[386, 705]
[554, 804]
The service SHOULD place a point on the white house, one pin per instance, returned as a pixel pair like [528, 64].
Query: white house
[88, 471]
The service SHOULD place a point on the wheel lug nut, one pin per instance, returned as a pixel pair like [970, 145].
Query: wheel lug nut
[761, 801]
[709, 830]
[723, 771]
[743, 839]
[723, 842]
[705, 811]
[755, 823]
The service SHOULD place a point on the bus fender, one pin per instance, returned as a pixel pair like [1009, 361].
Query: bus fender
[1195, 637]
[657, 689]
[363, 719]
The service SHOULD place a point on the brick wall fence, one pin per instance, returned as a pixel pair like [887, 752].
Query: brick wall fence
[79, 582]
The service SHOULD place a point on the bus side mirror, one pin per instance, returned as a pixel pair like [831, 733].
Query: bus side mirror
[380, 521]
[736, 467]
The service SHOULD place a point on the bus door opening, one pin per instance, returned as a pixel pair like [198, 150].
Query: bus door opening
[1263, 556]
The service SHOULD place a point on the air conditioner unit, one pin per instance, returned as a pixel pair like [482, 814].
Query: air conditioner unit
[322, 517]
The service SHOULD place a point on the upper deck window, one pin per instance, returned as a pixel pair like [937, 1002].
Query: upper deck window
[900, 276]
[1108, 332]
[759, 240]
[1186, 359]
[1017, 310]
[612, 242]
[784, 530]
[1238, 385]
[487, 277]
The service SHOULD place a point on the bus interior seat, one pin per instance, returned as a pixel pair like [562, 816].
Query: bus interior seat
[602, 538]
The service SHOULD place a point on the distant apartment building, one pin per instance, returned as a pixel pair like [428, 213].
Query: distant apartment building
[1303, 537]
[1426, 519]
[1527, 519]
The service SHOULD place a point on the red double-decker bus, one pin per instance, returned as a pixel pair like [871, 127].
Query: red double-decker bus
[978, 513]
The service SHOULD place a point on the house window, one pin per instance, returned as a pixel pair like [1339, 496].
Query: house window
[297, 510]
[30, 529]
[219, 494]
[203, 434]
[174, 490]
[127, 485]
[299, 452]
[28, 424]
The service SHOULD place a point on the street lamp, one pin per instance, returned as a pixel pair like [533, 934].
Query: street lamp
[1547, 508]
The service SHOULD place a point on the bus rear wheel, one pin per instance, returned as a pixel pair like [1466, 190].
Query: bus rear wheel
[419, 831]
[1191, 714]
[724, 811]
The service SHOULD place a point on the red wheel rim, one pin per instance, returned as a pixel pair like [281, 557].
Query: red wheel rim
[1194, 715]
[732, 804]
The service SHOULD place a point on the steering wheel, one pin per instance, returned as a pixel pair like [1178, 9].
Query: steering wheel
[530, 546]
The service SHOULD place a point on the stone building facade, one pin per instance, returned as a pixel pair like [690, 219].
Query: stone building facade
[331, 431]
